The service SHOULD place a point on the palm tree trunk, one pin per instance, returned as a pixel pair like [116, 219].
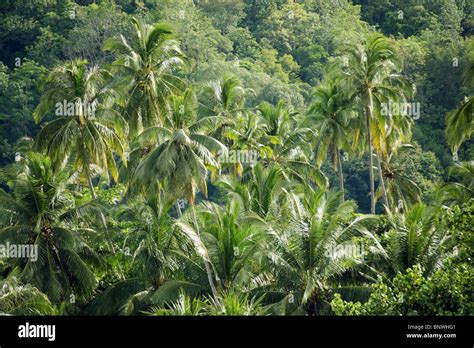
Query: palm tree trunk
[341, 175]
[382, 183]
[371, 160]
[89, 181]
[178, 208]
[94, 195]
[206, 263]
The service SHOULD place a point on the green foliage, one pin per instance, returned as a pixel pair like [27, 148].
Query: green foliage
[459, 123]
[19, 299]
[411, 17]
[459, 189]
[446, 292]
[19, 95]
[229, 303]
[132, 186]
[86, 128]
[40, 212]
[459, 223]
[147, 66]
[416, 237]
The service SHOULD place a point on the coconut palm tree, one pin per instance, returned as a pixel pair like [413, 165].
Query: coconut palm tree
[159, 254]
[288, 142]
[224, 98]
[261, 190]
[459, 123]
[233, 240]
[401, 190]
[40, 212]
[86, 130]
[182, 158]
[150, 238]
[183, 153]
[373, 79]
[460, 188]
[309, 252]
[144, 70]
[230, 240]
[246, 135]
[266, 186]
[329, 115]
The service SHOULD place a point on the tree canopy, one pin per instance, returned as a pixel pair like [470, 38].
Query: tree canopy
[278, 157]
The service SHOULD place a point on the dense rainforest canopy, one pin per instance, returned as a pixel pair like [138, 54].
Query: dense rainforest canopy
[236, 157]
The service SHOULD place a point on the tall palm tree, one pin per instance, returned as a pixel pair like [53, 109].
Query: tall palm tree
[372, 76]
[401, 190]
[397, 131]
[329, 115]
[145, 71]
[40, 212]
[89, 133]
[183, 153]
[183, 156]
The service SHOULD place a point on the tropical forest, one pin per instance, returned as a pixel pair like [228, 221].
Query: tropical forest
[236, 157]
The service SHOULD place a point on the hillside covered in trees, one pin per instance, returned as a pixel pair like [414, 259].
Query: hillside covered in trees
[236, 157]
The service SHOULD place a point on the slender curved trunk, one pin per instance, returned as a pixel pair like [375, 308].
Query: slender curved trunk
[368, 111]
[382, 183]
[178, 209]
[341, 175]
[93, 194]
[89, 180]
[206, 263]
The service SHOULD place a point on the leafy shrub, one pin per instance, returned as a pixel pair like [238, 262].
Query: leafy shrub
[447, 292]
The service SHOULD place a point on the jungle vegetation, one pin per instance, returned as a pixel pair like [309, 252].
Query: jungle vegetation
[241, 157]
